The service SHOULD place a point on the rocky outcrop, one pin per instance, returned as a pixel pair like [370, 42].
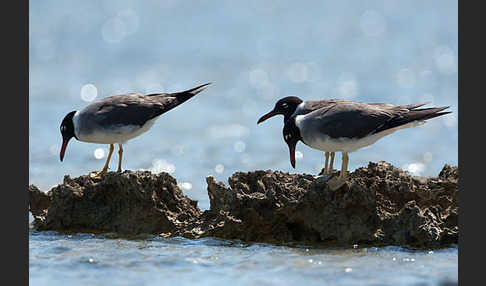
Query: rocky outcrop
[127, 203]
[377, 205]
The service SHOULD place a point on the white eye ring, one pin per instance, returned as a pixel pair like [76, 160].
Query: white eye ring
[284, 105]
[287, 136]
[63, 128]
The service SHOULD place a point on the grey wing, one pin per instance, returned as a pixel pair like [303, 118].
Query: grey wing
[127, 109]
[398, 107]
[349, 119]
[313, 105]
[167, 101]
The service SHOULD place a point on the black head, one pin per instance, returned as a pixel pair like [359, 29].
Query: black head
[67, 131]
[285, 106]
[291, 135]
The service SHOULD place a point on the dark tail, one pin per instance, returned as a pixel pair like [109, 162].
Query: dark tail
[170, 100]
[185, 95]
[196, 90]
[413, 106]
[413, 115]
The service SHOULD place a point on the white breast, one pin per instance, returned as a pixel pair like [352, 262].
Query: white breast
[112, 134]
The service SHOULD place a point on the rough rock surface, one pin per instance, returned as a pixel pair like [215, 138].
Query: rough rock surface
[378, 205]
[127, 203]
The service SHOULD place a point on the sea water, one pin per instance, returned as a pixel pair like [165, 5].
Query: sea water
[88, 259]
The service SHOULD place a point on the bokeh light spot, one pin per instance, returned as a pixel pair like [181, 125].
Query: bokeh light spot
[88, 92]
[219, 168]
[99, 153]
[159, 166]
[298, 155]
[416, 168]
[185, 186]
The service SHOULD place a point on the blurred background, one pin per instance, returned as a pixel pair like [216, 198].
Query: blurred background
[254, 52]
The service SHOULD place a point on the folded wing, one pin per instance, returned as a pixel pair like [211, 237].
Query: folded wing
[356, 120]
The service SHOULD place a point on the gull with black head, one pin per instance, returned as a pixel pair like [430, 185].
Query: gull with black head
[119, 118]
[346, 126]
[292, 105]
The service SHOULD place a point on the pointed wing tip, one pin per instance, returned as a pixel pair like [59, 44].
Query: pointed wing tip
[444, 108]
[200, 88]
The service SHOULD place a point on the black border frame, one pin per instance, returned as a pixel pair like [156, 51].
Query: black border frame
[15, 142]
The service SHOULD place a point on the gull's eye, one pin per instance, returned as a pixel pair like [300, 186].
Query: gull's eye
[287, 136]
[284, 105]
[63, 128]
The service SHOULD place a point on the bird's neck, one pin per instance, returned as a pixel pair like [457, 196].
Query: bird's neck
[74, 122]
[293, 129]
[288, 115]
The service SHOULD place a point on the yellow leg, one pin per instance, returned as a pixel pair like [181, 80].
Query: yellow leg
[326, 166]
[105, 168]
[120, 153]
[344, 166]
[331, 165]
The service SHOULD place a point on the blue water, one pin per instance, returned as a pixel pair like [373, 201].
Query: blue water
[87, 259]
[254, 52]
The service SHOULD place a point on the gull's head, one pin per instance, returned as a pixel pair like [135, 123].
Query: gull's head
[285, 106]
[291, 135]
[67, 131]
